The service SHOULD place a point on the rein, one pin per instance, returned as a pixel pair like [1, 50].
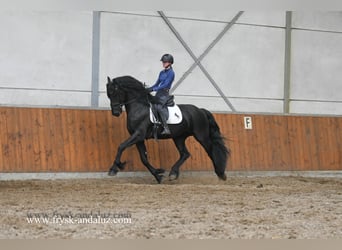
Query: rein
[130, 101]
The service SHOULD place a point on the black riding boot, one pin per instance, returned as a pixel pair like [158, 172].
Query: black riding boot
[166, 130]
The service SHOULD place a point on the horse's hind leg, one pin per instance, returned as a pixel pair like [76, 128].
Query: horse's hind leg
[157, 173]
[184, 154]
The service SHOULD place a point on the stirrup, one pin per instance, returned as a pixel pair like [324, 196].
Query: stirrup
[166, 131]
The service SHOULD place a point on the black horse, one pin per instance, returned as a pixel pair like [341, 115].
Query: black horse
[200, 123]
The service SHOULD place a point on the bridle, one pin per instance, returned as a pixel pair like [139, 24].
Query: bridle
[120, 104]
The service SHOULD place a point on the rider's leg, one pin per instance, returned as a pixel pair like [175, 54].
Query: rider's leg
[162, 99]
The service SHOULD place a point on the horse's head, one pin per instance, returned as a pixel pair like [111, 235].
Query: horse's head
[116, 97]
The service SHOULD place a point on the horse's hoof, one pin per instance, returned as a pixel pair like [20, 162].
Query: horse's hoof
[113, 171]
[159, 178]
[173, 176]
[223, 177]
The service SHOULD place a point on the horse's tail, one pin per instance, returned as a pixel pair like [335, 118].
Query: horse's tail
[219, 153]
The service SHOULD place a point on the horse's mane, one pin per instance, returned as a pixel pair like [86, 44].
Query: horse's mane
[129, 83]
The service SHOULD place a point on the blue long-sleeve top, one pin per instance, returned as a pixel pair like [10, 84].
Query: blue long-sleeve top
[164, 80]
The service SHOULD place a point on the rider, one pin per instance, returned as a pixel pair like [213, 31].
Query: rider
[162, 87]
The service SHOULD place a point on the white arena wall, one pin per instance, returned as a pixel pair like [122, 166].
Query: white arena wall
[265, 62]
[46, 58]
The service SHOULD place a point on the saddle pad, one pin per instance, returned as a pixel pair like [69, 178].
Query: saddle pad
[175, 115]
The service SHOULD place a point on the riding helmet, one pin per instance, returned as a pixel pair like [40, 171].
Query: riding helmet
[167, 58]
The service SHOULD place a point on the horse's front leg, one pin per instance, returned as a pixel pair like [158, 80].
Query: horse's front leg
[117, 162]
[157, 173]
[183, 155]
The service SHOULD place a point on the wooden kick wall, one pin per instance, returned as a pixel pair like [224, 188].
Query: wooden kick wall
[75, 140]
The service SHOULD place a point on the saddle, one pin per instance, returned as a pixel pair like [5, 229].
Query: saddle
[168, 107]
[175, 115]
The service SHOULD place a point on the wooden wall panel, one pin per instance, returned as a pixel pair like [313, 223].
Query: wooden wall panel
[71, 140]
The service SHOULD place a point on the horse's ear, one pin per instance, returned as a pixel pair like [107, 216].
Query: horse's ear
[108, 79]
